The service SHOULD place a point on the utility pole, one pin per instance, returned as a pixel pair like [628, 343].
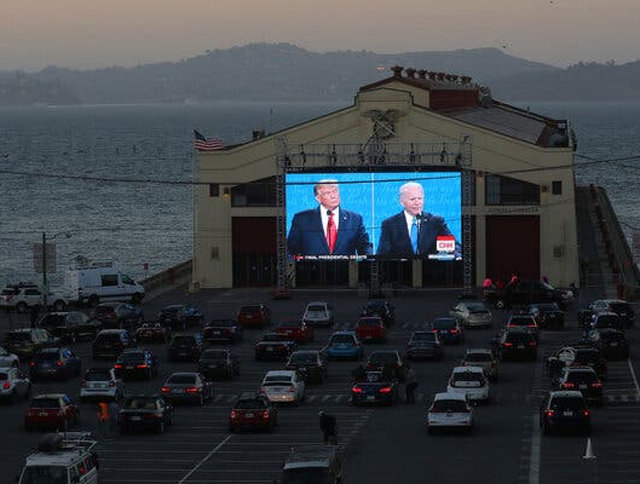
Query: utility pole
[44, 268]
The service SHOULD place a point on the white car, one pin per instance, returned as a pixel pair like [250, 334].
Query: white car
[14, 384]
[283, 386]
[472, 314]
[21, 298]
[469, 381]
[8, 359]
[484, 358]
[450, 410]
[101, 383]
[318, 313]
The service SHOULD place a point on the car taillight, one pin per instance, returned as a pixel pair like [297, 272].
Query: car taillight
[142, 365]
[112, 384]
[586, 413]
[282, 347]
[234, 414]
[531, 326]
[385, 390]
[153, 415]
[454, 331]
[568, 384]
[165, 389]
[265, 414]
[262, 390]
[58, 363]
[83, 383]
[292, 390]
[533, 343]
[6, 385]
[356, 390]
[507, 345]
[193, 390]
[550, 413]
[596, 384]
[118, 366]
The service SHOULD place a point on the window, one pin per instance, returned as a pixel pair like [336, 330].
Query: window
[501, 190]
[127, 280]
[556, 187]
[214, 190]
[109, 279]
[259, 193]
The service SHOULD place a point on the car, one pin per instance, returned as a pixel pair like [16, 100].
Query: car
[525, 292]
[117, 315]
[606, 319]
[187, 386]
[312, 464]
[25, 342]
[524, 321]
[185, 347]
[485, 359]
[424, 344]
[585, 380]
[135, 363]
[53, 411]
[383, 309]
[588, 355]
[23, 296]
[449, 330]
[222, 331]
[470, 381]
[613, 344]
[8, 359]
[618, 306]
[219, 363]
[391, 359]
[344, 345]
[283, 386]
[318, 313]
[472, 314]
[374, 388]
[515, 344]
[109, 343]
[564, 410]
[371, 329]
[251, 412]
[312, 364]
[70, 326]
[101, 384]
[58, 362]
[254, 316]
[14, 384]
[145, 412]
[450, 411]
[297, 330]
[153, 333]
[179, 317]
[274, 346]
[547, 315]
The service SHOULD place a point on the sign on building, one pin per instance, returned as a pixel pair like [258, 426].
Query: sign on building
[38, 256]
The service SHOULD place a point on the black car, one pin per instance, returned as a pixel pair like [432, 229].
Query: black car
[145, 412]
[156, 332]
[589, 355]
[180, 316]
[117, 315]
[383, 309]
[25, 342]
[525, 292]
[585, 380]
[312, 365]
[187, 387]
[449, 330]
[602, 320]
[219, 363]
[547, 315]
[618, 306]
[515, 344]
[424, 344]
[565, 410]
[136, 363]
[387, 361]
[274, 346]
[222, 331]
[613, 344]
[59, 363]
[185, 347]
[70, 326]
[109, 343]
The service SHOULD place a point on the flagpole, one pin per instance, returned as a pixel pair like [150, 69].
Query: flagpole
[193, 210]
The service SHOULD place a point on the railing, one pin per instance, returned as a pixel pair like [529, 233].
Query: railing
[174, 276]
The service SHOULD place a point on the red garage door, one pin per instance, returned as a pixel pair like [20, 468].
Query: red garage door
[513, 244]
[254, 251]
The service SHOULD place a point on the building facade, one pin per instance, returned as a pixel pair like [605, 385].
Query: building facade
[521, 208]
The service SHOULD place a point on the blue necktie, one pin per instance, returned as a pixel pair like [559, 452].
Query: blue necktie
[413, 234]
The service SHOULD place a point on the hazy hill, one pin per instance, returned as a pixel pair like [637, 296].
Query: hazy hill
[275, 72]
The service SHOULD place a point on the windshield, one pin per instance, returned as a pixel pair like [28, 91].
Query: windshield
[224, 324]
[274, 337]
[478, 357]
[44, 475]
[548, 307]
[316, 308]
[250, 309]
[249, 404]
[569, 403]
[444, 324]
[103, 310]
[46, 356]
[369, 322]
[98, 375]
[306, 475]
[304, 358]
[449, 406]
[214, 355]
[468, 376]
[277, 380]
[18, 337]
[187, 379]
[342, 338]
[582, 376]
[383, 358]
[477, 308]
[521, 322]
[132, 357]
[140, 403]
[53, 320]
[423, 337]
[3, 376]
[45, 403]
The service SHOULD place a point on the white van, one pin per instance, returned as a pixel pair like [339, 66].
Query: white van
[101, 283]
[63, 458]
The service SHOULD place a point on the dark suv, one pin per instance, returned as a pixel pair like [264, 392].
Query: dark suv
[25, 342]
[312, 365]
[185, 347]
[109, 343]
[525, 292]
[516, 344]
[618, 306]
[114, 315]
[58, 363]
[70, 326]
[565, 410]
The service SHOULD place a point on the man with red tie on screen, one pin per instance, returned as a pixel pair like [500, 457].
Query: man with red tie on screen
[328, 229]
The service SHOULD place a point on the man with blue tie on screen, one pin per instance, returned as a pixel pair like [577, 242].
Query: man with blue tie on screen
[327, 229]
[412, 232]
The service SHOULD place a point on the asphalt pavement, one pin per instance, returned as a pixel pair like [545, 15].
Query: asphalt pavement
[381, 445]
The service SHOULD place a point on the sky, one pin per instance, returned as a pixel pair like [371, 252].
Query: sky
[103, 33]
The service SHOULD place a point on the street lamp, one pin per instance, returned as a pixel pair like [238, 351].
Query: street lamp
[44, 261]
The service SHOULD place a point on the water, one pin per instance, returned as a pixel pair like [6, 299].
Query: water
[137, 222]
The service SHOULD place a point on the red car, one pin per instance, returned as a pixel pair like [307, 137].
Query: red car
[255, 316]
[371, 328]
[253, 412]
[54, 411]
[297, 330]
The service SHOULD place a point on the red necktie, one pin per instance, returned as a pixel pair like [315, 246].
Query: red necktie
[331, 232]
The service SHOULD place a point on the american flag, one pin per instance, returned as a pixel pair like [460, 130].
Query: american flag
[204, 144]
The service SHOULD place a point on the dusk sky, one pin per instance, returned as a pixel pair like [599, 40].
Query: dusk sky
[102, 33]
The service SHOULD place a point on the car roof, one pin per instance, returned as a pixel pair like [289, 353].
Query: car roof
[183, 373]
[479, 350]
[467, 369]
[566, 393]
[450, 396]
[325, 303]
[310, 456]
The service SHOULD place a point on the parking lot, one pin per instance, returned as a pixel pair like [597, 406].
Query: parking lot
[380, 444]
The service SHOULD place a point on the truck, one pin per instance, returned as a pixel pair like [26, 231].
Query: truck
[101, 282]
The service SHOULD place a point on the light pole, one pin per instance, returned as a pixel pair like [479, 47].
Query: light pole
[45, 288]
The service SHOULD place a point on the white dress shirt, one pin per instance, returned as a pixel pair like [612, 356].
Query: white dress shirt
[325, 219]
[409, 219]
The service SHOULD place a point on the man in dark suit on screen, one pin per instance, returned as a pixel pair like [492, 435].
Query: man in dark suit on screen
[328, 229]
[413, 232]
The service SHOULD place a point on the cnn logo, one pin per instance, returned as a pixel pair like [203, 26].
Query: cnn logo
[445, 244]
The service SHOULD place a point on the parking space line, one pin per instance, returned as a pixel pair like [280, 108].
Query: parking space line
[633, 375]
[215, 449]
[534, 457]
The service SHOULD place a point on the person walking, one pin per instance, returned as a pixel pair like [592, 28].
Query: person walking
[328, 427]
[411, 383]
[102, 426]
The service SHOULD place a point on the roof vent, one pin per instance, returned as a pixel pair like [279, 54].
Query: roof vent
[410, 72]
[422, 74]
[257, 134]
[397, 71]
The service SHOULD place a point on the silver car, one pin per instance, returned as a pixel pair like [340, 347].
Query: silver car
[8, 359]
[472, 314]
[450, 410]
[283, 386]
[14, 385]
[101, 383]
[485, 359]
[187, 386]
[318, 313]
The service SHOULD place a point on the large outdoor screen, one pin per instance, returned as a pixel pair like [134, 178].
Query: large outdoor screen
[395, 215]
